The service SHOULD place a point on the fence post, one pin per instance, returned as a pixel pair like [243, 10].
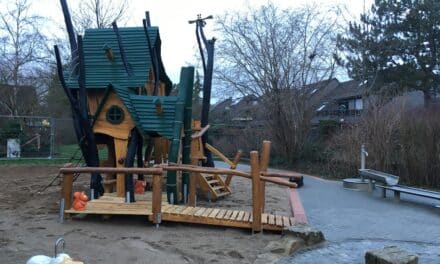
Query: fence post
[66, 190]
[157, 199]
[264, 164]
[256, 199]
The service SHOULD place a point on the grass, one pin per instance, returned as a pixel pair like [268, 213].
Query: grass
[63, 155]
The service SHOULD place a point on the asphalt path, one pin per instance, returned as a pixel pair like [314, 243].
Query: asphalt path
[354, 222]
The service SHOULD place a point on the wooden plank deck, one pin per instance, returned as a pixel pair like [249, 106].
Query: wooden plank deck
[111, 205]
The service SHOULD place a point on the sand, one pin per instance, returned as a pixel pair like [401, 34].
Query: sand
[29, 226]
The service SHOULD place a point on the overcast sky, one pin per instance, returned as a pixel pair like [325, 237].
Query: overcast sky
[178, 37]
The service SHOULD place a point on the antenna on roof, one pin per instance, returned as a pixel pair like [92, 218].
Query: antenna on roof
[127, 66]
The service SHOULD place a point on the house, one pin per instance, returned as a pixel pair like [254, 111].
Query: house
[343, 102]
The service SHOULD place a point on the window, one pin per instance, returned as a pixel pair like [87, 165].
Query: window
[358, 104]
[115, 115]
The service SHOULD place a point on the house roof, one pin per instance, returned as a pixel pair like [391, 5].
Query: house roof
[348, 90]
[100, 71]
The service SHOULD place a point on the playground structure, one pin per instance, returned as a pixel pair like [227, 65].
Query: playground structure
[121, 97]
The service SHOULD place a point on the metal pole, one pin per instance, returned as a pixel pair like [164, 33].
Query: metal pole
[52, 138]
[363, 159]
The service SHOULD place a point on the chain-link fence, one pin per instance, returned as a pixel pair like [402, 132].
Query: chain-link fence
[36, 137]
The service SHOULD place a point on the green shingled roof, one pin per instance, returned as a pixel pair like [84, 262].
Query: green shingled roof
[143, 111]
[100, 71]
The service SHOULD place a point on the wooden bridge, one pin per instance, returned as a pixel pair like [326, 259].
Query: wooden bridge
[158, 210]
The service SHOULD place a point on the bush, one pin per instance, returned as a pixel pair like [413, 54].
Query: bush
[405, 143]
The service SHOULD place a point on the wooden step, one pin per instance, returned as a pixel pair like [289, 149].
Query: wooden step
[215, 188]
[223, 194]
[212, 182]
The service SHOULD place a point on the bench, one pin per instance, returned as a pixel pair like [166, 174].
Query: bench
[397, 189]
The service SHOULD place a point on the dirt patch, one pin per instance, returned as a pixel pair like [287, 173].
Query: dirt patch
[29, 226]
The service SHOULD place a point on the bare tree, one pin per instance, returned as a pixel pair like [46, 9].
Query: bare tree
[99, 13]
[23, 53]
[274, 54]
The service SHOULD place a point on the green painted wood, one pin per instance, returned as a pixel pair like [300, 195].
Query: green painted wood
[188, 81]
[173, 153]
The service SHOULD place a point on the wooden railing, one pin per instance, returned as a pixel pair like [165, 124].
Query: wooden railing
[258, 175]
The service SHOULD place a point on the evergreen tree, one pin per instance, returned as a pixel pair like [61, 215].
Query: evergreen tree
[395, 47]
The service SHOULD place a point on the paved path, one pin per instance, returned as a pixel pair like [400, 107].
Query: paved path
[354, 222]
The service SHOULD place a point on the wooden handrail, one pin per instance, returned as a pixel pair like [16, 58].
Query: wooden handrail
[111, 170]
[280, 175]
[192, 168]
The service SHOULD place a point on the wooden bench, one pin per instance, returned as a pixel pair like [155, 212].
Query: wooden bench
[397, 189]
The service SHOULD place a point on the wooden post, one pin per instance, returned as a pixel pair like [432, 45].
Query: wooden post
[235, 162]
[66, 190]
[193, 185]
[157, 198]
[264, 164]
[256, 200]
[120, 152]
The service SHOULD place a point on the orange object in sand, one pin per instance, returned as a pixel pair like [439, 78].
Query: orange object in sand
[79, 201]
[139, 187]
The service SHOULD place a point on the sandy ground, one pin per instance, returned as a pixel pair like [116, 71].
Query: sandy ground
[29, 226]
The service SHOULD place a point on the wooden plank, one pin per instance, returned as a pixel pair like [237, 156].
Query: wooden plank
[234, 215]
[246, 217]
[264, 218]
[271, 219]
[286, 221]
[214, 213]
[171, 209]
[179, 209]
[204, 220]
[200, 211]
[240, 216]
[279, 220]
[193, 211]
[221, 214]
[228, 214]
[187, 210]
[207, 212]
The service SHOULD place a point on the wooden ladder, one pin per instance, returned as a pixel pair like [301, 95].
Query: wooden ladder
[213, 186]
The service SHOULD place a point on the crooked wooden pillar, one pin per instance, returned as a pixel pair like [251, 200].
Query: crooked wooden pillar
[256, 193]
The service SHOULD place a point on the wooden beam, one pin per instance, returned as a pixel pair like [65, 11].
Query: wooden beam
[219, 154]
[281, 175]
[210, 170]
[264, 164]
[235, 162]
[200, 133]
[157, 198]
[279, 182]
[256, 200]
[193, 186]
[149, 171]
[66, 190]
